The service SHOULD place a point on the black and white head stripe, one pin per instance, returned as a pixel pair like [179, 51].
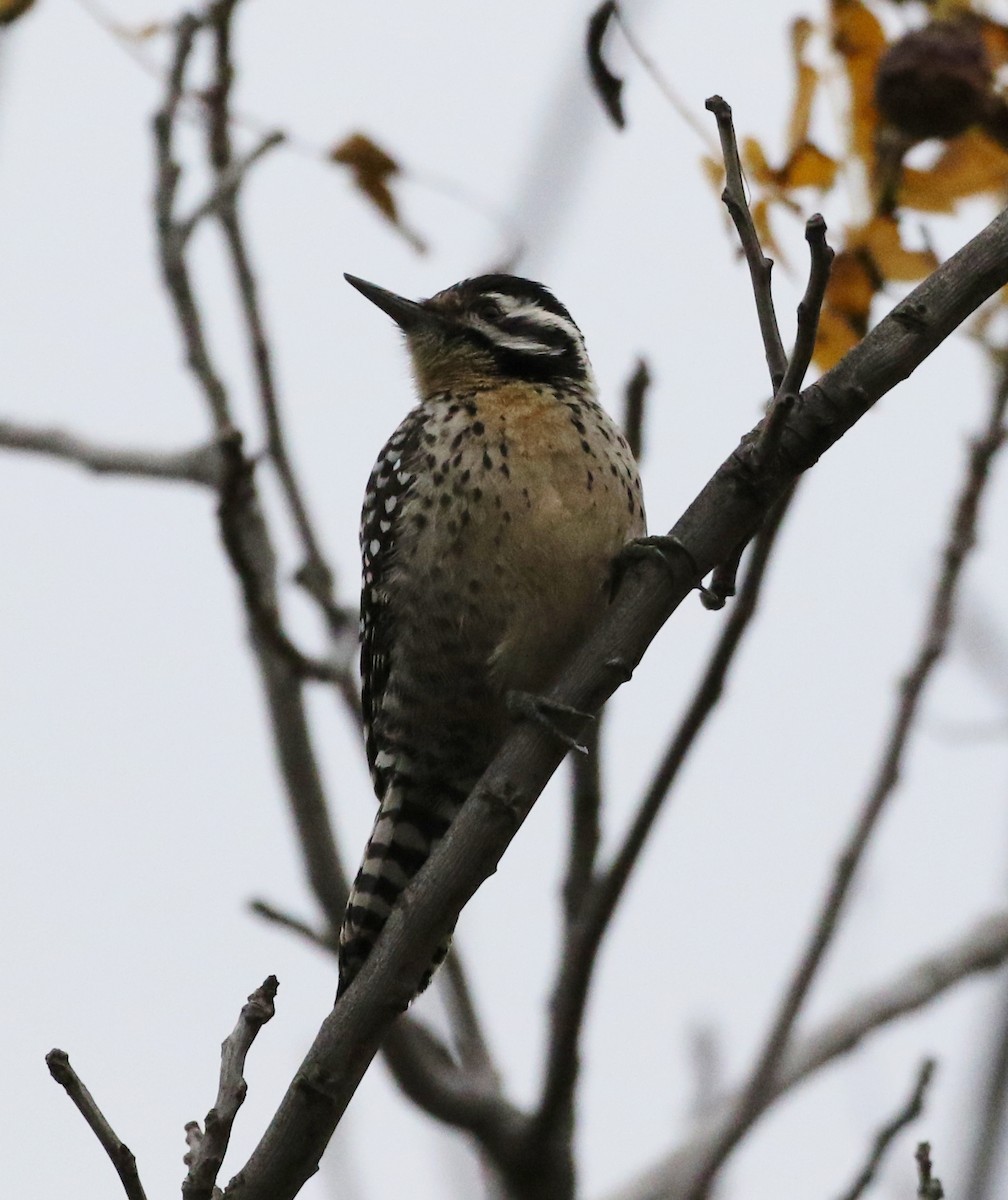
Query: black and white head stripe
[524, 325]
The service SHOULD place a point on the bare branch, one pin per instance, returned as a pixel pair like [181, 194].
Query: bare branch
[961, 539]
[246, 540]
[207, 1148]
[119, 1153]
[276, 916]
[315, 576]
[910, 1111]
[228, 182]
[760, 266]
[201, 464]
[983, 948]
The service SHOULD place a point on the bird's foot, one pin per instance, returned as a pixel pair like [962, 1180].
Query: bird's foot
[662, 548]
[525, 706]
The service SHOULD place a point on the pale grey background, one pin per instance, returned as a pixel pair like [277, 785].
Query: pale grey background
[142, 805]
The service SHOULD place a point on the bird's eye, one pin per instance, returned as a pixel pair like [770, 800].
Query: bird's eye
[487, 310]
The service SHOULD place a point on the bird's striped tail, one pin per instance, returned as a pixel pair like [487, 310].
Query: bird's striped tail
[410, 823]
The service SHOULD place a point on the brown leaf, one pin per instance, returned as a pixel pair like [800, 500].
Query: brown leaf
[10, 10]
[607, 85]
[372, 168]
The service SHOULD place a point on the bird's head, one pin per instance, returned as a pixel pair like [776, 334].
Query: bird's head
[486, 331]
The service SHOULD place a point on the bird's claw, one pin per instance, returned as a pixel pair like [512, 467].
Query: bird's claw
[661, 548]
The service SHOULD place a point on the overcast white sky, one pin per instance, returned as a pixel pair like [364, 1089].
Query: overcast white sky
[142, 804]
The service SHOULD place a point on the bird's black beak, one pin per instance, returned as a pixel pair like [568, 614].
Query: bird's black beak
[407, 314]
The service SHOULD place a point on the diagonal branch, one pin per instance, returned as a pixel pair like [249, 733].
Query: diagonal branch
[119, 1153]
[718, 519]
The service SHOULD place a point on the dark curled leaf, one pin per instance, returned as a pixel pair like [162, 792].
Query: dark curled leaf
[606, 83]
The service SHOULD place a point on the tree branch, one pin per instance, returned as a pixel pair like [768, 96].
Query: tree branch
[983, 948]
[208, 1146]
[119, 1153]
[315, 576]
[201, 464]
[730, 507]
[760, 266]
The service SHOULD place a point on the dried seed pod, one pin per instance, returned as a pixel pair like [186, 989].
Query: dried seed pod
[935, 82]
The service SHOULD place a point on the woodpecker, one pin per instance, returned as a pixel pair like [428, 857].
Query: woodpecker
[490, 525]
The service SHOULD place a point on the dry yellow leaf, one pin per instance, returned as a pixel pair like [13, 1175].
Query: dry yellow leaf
[860, 41]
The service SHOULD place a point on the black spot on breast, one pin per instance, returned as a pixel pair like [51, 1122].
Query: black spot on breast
[445, 499]
[505, 470]
[487, 461]
[586, 448]
[478, 427]
[504, 449]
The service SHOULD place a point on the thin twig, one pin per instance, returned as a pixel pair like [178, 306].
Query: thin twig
[228, 182]
[809, 308]
[171, 244]
[929, 1187]
[315, 576]
[962, 536]
[207, 1148]
[634, 398]
[467, 1029]
[760, 266]
[582, 945]
[680, 106]
[910, 1111]
[119, 1153]
[201, 464]
[276, 916]
[983, 948]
